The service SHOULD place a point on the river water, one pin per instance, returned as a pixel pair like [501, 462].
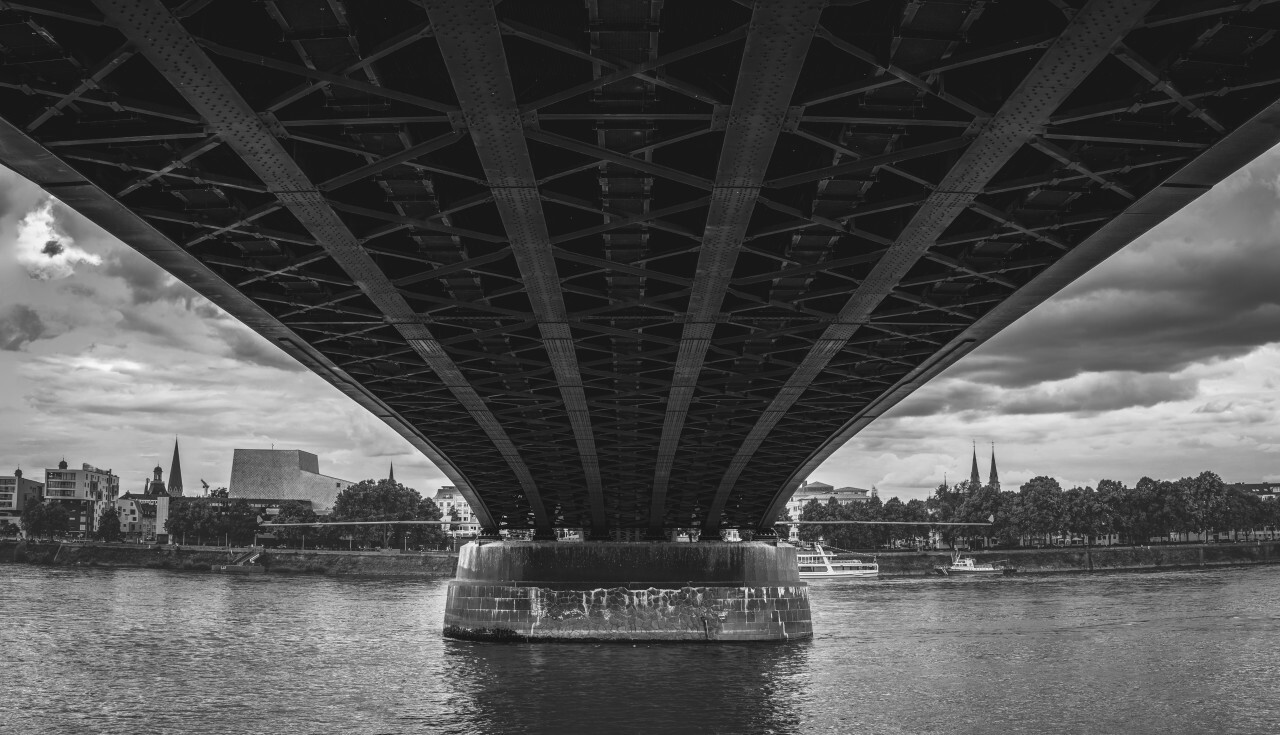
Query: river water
[154, 651]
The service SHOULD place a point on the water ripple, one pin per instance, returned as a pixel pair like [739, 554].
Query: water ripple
[154, 651]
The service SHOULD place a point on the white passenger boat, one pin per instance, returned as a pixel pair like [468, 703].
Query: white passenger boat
[822, 564]
[967, 566]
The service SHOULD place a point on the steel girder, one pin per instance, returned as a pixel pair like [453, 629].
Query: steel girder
[529, 233]
[1077, 51]
[472, 49]
[775, 51]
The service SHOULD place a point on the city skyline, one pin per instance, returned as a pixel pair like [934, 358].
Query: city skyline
[1162, 361]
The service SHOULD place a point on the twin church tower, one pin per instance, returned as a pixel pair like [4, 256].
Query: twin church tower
[975, 480]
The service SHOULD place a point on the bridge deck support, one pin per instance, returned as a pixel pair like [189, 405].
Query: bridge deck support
[529, 590]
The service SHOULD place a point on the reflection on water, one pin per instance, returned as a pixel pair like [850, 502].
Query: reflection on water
[134, 650]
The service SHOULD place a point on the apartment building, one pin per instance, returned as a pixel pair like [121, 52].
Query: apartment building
[16, 492]
[83, 492]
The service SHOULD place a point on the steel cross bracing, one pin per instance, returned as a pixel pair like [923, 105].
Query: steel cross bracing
[631, 265]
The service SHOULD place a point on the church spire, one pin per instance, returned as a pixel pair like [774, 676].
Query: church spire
[994, 480]
[391, 473]
[975, 480]
[175, 473]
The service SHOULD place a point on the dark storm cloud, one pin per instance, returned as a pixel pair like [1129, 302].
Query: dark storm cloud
[1086, 394]
[20, 325]
[246, 346]
[164, 333]
[206, 310]
[1204, 287]
[1098, 393]
[946, 397]
[147, 282]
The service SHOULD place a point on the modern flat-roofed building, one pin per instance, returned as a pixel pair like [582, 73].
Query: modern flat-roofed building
[16, 492]
[82, 492]
[283, 474]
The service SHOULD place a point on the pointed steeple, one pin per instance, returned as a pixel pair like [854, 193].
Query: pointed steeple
[175, 473]
[994, 479]
[391, 473]
[975, 480]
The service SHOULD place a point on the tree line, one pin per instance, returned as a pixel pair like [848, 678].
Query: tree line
[217, 519]
[1040, 511]
[861, 537]
[234, 521]
[369, 500]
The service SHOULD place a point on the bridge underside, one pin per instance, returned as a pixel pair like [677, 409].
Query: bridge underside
[624, 264]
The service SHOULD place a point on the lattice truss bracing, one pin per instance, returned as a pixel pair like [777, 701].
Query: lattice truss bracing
[627, 264]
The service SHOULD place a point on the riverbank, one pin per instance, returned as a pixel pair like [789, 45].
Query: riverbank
[277, 561]
[444, 564]
[1093, 559]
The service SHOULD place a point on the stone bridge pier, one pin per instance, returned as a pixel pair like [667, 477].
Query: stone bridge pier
[619, 591]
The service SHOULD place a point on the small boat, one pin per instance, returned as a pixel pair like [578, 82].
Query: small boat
[967, 566]
[822, 564]
[239, 568]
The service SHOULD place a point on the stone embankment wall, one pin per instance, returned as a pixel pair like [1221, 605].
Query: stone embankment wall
[1094, 559]
[282, 561]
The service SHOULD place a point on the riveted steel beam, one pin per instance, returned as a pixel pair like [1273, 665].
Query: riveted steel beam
[1079, 49]
[776, 48]
[162, 39]
[470, 42]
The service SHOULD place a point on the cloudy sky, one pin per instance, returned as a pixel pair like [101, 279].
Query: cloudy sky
[1163, 361]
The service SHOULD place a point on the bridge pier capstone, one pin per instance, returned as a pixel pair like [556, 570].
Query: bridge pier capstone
[618, 591]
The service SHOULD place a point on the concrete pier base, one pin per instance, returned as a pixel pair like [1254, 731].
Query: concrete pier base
[643, 591]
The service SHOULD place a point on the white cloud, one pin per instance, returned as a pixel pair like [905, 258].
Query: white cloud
[45, 250]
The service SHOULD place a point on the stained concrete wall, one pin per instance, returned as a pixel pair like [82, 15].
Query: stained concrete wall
[695, 613]
[619, 591]
[640, 564]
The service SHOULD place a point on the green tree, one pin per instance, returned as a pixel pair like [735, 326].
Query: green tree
[189, 520]
[293, 511]
[1205, 503]
[944, 507]
[979, 506]
[236, 523]
[45, 518]
[1121, 509]
[109, 524]
[814, 510]
[1244, 512]
[211, 520]
[387, 500]
[1008, 525]
[896, 511]
[220, 492]
[1041, 506]
[1084, 513]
